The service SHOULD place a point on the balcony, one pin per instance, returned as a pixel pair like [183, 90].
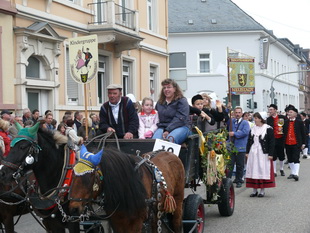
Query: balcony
[115, 24]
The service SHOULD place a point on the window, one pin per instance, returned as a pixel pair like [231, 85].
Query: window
[127, 77]
[153, 78]
[72, 86]
[177, 68]
[151, 15]
[177, 60]
[33, 68]
[38, 99]
[102, 80]
[204, 63]
[101, 12]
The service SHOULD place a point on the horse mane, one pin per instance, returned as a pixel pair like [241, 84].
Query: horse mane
[122, 185]
[51, 158]
[53, 137]
[60, 138]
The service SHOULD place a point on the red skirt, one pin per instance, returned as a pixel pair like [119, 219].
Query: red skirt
[260, 183]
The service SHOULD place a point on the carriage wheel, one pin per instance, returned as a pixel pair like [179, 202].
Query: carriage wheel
[226, 204]
[193, 210]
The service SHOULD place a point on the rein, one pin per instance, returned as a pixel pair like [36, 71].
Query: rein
[33, 195]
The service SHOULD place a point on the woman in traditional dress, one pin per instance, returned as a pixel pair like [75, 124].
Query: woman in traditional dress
[259, 151]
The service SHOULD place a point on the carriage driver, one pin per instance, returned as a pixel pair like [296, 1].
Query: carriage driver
[118, 114]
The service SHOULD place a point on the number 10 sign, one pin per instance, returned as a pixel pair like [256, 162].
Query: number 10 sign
[167, 146]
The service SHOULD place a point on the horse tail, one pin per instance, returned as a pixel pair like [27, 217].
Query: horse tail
[122, 185]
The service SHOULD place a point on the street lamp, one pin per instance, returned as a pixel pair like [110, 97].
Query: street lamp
[272, 95]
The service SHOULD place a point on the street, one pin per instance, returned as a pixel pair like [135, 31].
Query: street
[283, 209]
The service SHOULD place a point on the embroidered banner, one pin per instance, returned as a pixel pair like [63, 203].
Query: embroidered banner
[242, 76]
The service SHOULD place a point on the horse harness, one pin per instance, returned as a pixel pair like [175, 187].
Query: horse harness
[33, 196]
[158, 184]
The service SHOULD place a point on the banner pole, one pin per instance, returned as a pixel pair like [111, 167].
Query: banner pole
[229, 91]
[86, 112]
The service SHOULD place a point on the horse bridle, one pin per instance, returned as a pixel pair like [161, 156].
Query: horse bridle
[32, 156]
[97, 177]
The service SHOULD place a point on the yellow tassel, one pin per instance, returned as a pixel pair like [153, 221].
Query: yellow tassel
[169, 204]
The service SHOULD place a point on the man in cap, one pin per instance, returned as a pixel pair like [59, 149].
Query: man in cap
[273, 120]
[295, 140]
[6, 115]
[118, 114]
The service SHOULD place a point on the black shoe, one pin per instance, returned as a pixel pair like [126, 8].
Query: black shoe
[291, 176]
[261, 195]
[296, 178]
[239, 185]
[304, 156]
[275, 175]
[282, 173]
[235, 181]
[254, 194]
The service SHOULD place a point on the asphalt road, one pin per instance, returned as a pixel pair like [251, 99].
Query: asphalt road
[284, 209]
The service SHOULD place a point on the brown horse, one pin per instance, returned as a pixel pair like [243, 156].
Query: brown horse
[130, 190]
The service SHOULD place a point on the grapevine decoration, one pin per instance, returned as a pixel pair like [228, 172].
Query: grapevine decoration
[215, 155]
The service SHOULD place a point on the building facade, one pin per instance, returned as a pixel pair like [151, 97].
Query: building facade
[34, 51]
[203, 34]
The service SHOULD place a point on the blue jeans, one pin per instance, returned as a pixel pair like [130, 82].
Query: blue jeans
[178, 135]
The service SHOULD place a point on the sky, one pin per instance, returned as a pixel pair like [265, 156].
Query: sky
[287, 18]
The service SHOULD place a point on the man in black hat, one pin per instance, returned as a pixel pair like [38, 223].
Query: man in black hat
[119, 114]
[277, 121]
[295, 140]
[6, 115]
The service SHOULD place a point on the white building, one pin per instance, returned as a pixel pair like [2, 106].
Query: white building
[199, 34]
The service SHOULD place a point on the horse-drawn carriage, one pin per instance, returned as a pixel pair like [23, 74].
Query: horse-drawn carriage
[196, 159]
[50, 192]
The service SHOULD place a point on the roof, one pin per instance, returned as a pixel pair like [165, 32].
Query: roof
[227, 15]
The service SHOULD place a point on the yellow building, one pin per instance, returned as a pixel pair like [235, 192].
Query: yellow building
[34, 69]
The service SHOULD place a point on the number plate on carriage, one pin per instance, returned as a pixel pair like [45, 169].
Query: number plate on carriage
[167, 146]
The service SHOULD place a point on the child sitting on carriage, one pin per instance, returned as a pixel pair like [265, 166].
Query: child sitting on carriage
[148, 119]
[199, 116]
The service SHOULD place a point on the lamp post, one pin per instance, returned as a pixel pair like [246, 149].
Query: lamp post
[272, 95]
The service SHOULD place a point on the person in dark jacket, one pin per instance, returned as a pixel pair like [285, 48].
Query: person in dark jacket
[238, 135]
[219, 112]
[295, 140]
[202, 118]
[259, 153]
[173, 112]
[306, 122]
[118, 114]
[277, 121]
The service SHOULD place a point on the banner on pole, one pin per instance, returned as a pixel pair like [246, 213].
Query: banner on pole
[242, 80]
[83, 58]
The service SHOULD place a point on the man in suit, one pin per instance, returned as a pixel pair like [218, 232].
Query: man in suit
[239, 136]
[273, 121]
[295, 140]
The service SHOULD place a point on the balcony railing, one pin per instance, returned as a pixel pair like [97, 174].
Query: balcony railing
[110, 13]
